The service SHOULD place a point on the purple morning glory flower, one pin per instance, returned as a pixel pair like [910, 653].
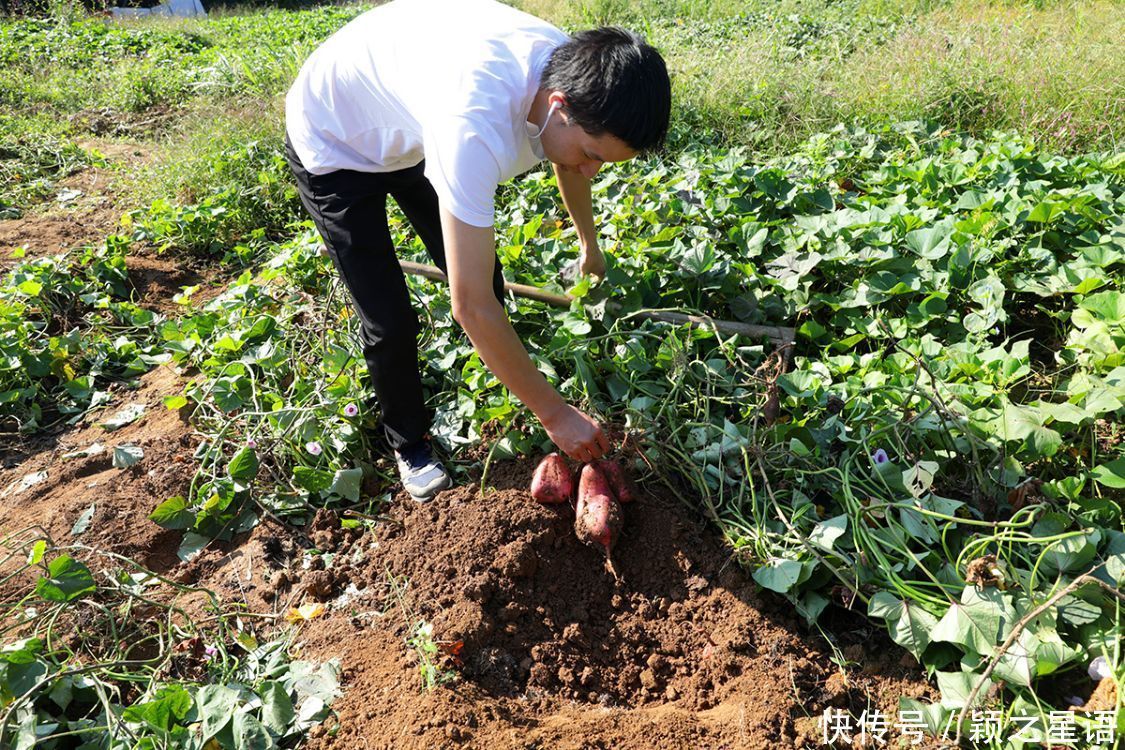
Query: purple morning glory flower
[351, 410]
[880, 457]
[210, 651]
[251, 443]
[1099, 669]
[313, 448]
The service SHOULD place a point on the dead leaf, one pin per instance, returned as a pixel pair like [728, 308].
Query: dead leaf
[304, 612]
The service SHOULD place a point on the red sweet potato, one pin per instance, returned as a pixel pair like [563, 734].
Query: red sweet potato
[618, 481]
[598, 521]
[592, 481]
[598, 515]
[552, 482]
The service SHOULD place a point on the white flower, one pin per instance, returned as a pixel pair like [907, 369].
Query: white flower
[351, 410]
[1099, 669]
[313, 448]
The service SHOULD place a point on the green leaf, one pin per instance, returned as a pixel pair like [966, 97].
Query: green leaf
[173, 513]
[277, 707]
[26, 737]
[191, 545]
[175, 402]
[909, 625]
[170, 705]
[22, 651]
[1063, 412]
[126, 415]
[810, 605]
[920, 477]
[931, 716]
[30, 287]
[36, 555]
[1018, 664]
[217, 705]
[125, 456]
[1046, 211]
[1111, 474]
[346, 483]
[313, 480]
[1072, 554]
[243, 466]
[1018, 422]
[931, 243]
[780, 575]
[1044, 442]
[973, 627]
[66, 579]
[319, 682]
[1114, 556]
[752, 244]
[1106, 306]
[825, 533]
[1078, 612]
[956, 687]
[1052, 652]
[249, 734]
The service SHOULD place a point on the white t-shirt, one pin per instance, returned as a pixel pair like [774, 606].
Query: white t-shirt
[450, 81]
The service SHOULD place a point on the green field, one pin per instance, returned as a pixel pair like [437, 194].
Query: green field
[931, 193]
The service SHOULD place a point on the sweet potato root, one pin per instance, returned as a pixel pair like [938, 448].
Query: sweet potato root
[618, 481]
[552, 483]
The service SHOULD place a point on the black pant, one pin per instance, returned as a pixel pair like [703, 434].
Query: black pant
[349, 209]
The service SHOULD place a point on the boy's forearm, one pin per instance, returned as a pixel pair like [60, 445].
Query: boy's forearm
[502, 351]
[471, 259]
[575, 192]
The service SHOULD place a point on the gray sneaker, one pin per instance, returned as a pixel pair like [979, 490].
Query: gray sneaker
[422, 475]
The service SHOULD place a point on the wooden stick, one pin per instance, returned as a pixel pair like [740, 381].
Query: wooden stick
[778, 334]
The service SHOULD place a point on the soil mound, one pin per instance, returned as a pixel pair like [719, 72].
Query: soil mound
[551, 649]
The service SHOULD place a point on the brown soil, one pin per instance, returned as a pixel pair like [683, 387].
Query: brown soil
[122, 498]
[53, 227]
[549, 649]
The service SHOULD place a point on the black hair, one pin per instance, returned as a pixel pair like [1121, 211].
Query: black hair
[614, 82]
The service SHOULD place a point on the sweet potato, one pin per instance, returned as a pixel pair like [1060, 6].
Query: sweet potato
[552, 483]
[598, 515]
[593, 481]
[618, 481]
[598, 521]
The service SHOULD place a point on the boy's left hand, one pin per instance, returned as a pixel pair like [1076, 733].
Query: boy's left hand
[592, 262]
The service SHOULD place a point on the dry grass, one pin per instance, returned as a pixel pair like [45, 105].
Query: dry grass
[1052, 70]
[1057, 73]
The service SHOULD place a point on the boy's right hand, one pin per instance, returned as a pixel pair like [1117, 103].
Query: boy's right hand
[576, 434]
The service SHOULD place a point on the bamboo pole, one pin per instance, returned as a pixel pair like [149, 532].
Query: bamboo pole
[779, 335]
